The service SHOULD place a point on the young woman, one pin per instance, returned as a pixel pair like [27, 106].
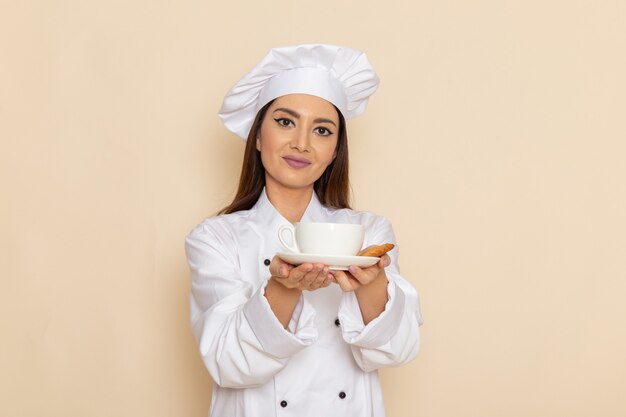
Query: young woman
[297, 340]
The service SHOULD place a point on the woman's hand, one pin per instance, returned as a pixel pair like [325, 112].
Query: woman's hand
[308, 276]
[356, 277]
[369, 286]
[287, 282]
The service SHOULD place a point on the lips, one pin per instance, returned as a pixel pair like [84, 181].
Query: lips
[295, 162]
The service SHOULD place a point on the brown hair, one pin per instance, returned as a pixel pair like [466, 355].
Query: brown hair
[332, 188]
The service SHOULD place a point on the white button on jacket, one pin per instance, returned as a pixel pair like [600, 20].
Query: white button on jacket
[313, 368]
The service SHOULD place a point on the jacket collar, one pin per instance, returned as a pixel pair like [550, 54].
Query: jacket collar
[315, 211]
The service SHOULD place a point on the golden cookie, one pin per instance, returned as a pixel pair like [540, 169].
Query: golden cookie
[377, 251]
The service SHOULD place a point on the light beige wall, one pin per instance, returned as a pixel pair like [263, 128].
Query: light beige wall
[495, 145]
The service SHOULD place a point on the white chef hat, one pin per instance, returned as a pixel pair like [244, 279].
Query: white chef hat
[340, 75]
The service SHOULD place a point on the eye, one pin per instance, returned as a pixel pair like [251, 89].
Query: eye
[323, 131]
[284, 122]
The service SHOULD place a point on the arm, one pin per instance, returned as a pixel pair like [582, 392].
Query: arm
[282, 300]
[287, 282]
[240, 339]
[369, 286]
[392, 337]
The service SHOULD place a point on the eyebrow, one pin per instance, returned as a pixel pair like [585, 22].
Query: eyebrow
[297, 116]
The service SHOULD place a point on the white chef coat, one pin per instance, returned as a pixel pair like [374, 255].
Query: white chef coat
[325, 364]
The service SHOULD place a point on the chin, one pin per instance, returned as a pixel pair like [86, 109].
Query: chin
[297, 185]
[294, 183]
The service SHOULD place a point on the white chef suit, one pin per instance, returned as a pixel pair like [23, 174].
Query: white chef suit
[325, 363]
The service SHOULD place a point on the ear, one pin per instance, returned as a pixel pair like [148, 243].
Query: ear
[258, 143]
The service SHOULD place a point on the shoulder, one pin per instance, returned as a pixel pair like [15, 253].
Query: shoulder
[216, 239]
[223, 227]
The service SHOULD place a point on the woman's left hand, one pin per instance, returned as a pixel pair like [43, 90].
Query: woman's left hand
[357, 277]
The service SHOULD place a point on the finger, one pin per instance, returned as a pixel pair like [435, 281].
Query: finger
[313, 285]
[308, 279]
[312, 280]
[284, 270]
[359, 274]
[355, 271]
[384, 262]
[298, 273]
[321, 278]
[329, 280]
[279, 268]
[365, 275]
[343, 280]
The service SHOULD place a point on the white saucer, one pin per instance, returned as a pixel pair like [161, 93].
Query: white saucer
[333, 262]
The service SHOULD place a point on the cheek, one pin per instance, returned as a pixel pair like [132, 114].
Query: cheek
[330, 153]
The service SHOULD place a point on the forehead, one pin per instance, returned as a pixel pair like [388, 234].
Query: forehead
[306, 105]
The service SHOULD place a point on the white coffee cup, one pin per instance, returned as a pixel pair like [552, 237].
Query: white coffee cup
[338, 239]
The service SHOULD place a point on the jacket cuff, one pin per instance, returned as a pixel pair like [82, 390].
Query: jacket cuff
[274, 339]
[380, 330]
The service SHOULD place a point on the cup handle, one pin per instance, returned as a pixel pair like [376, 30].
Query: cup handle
[292, 231]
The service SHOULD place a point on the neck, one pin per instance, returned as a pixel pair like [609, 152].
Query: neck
[291, 203]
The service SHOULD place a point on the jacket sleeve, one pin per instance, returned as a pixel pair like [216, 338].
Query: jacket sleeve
[393, 337]
[241, 341]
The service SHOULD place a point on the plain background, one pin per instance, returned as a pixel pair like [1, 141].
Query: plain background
[495, 145]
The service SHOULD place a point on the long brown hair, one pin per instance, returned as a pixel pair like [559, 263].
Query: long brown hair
[332, 188]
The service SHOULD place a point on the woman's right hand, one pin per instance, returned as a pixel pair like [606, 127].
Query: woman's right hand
[308, 276]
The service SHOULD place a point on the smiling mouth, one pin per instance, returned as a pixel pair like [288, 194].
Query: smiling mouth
[296, 162]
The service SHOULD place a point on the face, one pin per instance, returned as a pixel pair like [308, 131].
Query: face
[297, 140]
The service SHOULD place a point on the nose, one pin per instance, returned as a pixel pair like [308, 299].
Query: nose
[301, 140]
